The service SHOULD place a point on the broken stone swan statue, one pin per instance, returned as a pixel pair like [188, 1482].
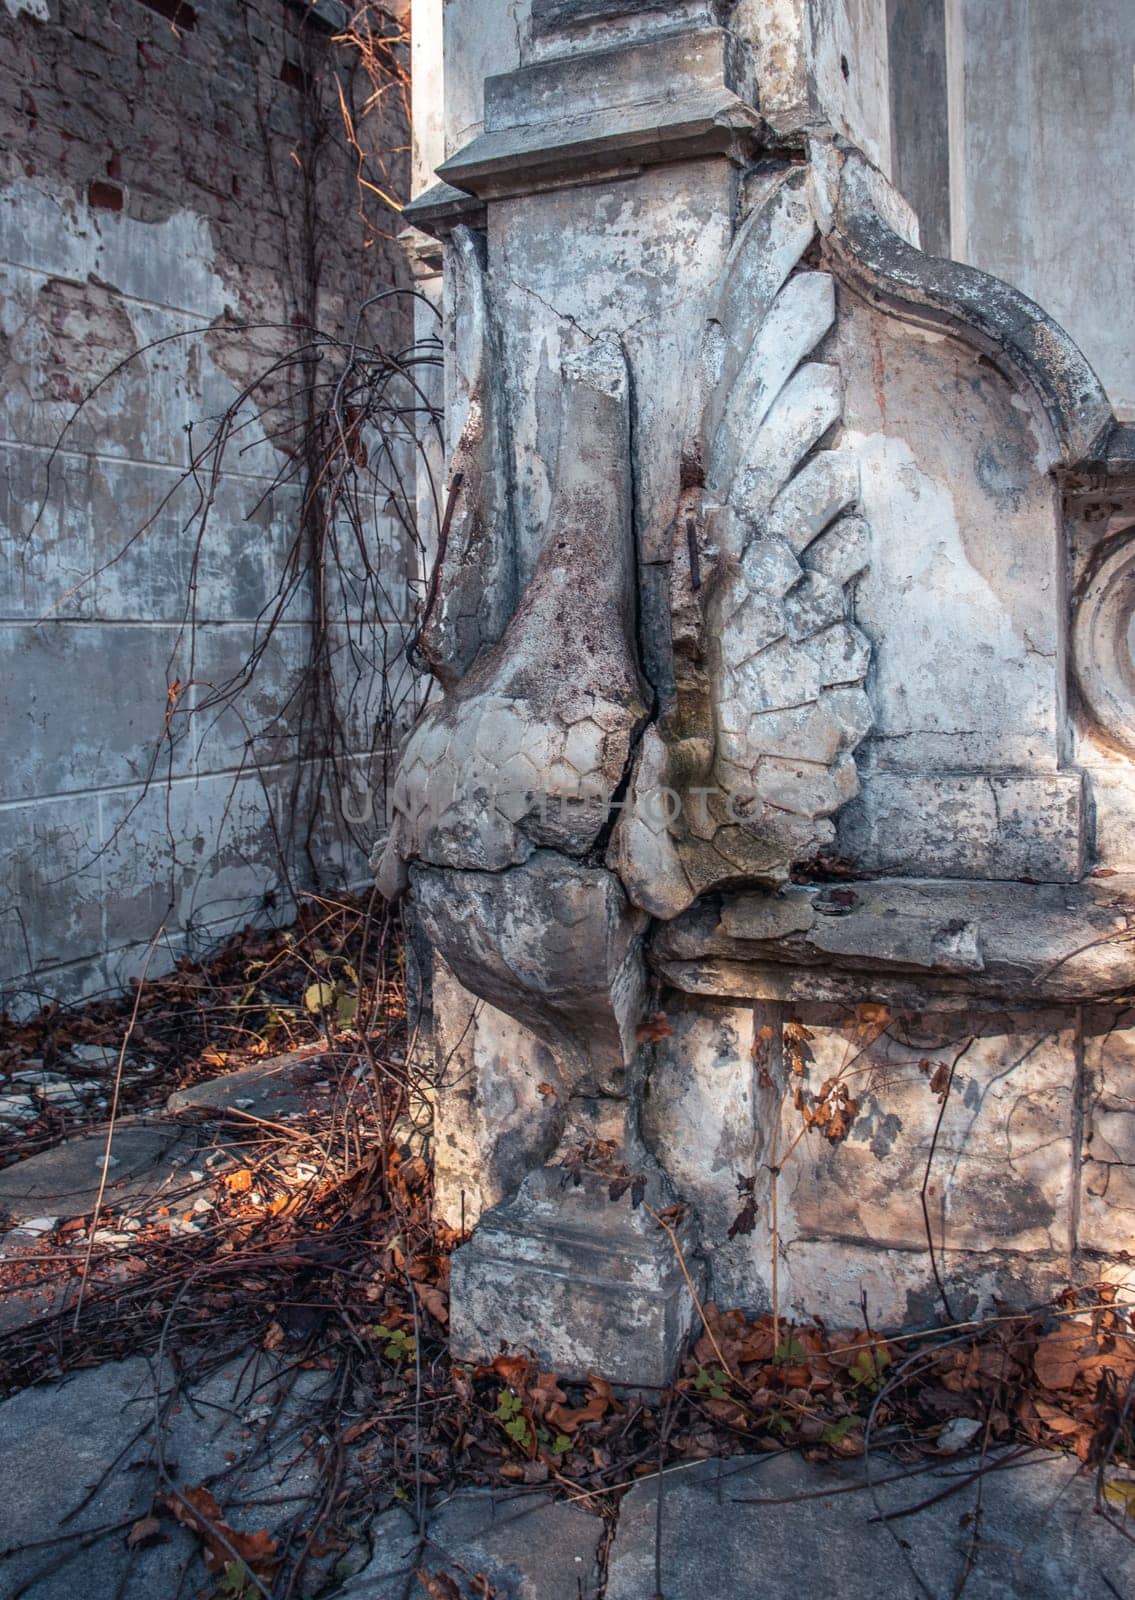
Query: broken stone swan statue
[565, 825]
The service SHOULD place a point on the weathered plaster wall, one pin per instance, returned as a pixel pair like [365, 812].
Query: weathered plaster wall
[1042, 138]
[1008, 1170]
[1008, 128]
[148, 187]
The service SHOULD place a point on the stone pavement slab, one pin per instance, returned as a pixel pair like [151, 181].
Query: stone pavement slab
[274, 1090]
[529, 1547]
[1038, 1536]
[147, 1157]
[63, 1443]
[78, 1456]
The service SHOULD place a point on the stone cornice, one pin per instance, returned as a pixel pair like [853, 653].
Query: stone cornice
[602, 113]
[926, 943]
[441, 208]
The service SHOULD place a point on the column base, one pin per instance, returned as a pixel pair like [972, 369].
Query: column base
[587, 1284]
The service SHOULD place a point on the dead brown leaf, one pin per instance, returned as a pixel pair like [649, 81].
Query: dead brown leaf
[1061, 1354]
[197, 1509]
[146, 1531]
[438, 1587]
[653, 1029]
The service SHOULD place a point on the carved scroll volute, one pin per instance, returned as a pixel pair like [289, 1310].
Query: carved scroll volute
[743, 771]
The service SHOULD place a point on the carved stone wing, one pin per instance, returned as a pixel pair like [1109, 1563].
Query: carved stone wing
[744, 769]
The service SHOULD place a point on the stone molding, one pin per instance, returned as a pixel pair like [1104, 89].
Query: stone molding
[441, 208]
[991, 316]
[598, 113]
[921, 944]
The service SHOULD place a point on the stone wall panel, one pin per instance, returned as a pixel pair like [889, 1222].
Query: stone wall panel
[150, 191]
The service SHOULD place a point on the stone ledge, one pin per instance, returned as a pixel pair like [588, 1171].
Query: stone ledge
[915, 943]
[441, 208]
[601, 113]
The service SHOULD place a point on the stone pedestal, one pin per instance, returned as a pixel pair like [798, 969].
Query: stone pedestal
[589, 1283]
[762, 705]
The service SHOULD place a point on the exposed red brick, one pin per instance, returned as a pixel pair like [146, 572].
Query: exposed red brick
[105, 196]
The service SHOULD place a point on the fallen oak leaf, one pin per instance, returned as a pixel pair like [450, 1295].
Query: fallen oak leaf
[198, 1510]
[545, 1392]
[1057, 1421]
[571, 1418]
[515, 1371]
[433, 1301]
[1061, 1354]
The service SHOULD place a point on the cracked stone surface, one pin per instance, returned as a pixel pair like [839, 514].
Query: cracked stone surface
[1107, 1215]
[526, 749]
[95, 1431]
[1038, 1536]
[1002, 1179]
[553, 943]
[921, 940]
[529, 1547]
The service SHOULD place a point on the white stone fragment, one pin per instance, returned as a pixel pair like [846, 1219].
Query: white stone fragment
[841, 653]
[825, 486]
[805, 409]
[38, 1226]
[842, 551]
[800, 316]
[769, 567]
[815, 603]
[957, 1434]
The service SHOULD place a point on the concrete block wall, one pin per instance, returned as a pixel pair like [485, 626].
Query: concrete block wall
[152, 193]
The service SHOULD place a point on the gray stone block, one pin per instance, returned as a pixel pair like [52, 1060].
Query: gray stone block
[588, 1284]
[272, 1089]
[981, 826]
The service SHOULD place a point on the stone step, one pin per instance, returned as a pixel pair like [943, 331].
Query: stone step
[277, 1089]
